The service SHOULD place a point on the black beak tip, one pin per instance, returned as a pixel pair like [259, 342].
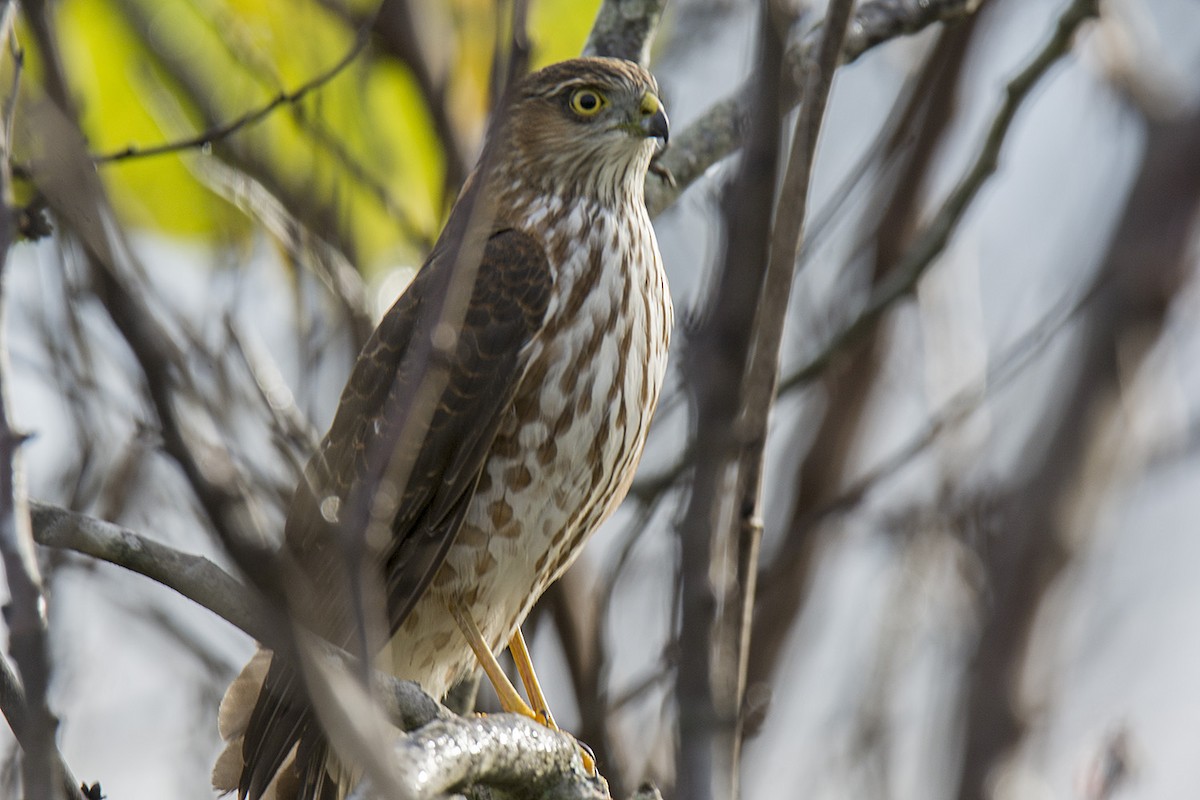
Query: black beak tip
[658, 126]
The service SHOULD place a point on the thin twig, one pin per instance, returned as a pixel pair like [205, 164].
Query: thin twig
[762, 370]
[42, 771]
[216, 133]
[720, 130]
[295, 431]
[715, 365]
[903, 278]
[16, 712]
[400, 33]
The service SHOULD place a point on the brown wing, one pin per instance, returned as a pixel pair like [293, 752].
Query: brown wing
[505, 312]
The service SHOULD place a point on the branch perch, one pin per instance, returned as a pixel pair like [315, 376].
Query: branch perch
[448, 752]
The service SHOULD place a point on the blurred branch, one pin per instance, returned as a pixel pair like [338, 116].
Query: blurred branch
[1112, 768]
[16, 711]
[910, 141]
[398, 32]
[216, 133]
[362, 533]
[444, 752]
[1143, 271]
[903, 277]
[292, 428]
[721, 129]
[576, 612]
[326, 262]
[877, 22]
[250, 154]
[68, 180]
[1007, 366]
[625, 29]
[715, 363]
[192, 576]
[763, 362]
[42, 771]
[25, 613]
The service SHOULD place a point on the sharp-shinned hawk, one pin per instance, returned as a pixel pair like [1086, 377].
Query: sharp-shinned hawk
[536, 427]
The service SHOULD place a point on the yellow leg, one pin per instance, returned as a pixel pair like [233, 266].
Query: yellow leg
[509, 699]
[533, 689]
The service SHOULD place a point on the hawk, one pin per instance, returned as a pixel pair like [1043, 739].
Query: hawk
[536, 426]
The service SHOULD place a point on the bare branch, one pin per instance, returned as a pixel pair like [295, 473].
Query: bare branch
[720, 130]
[715, 365]
[397, 28]
[443, 754]
[193, 576]
[1146, 265]
[207, 585]
[16, 711]
[503, 750]
[762, 368]
[625, 29]
[25, 614]
[903, 278]
[69, 182]
[880, 21]
[216, 133]
[904, 150]
[42, 771]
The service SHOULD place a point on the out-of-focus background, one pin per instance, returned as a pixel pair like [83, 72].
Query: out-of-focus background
[978, 575]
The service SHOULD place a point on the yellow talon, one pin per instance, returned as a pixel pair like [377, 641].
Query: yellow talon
[510, 699]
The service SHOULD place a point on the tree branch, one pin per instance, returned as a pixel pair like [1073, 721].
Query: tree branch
[205, 584]
[714, 366]
[505, 751]
[625, 29]
[720, 130]
[445, 752]
[193, 576]
[762, 367]
[224, 130]
[903, 278]
[16, 712]
[1149, 261]
[42, 769]
[25, 613]
[904, 151]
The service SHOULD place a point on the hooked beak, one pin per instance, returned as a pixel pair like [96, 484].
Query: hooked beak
[654, 118]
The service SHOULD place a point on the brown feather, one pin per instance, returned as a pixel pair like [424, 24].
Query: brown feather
[523, 378]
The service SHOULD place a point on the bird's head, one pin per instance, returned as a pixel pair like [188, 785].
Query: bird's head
[587, 126]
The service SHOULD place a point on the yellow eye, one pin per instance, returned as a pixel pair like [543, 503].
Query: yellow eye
[587, 102]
